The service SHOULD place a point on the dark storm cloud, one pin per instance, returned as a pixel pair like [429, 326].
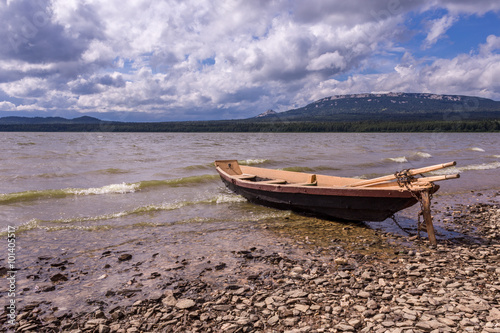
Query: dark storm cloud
[96, 84]
[30, 34]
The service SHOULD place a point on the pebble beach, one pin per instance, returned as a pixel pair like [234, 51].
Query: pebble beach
[296, 285]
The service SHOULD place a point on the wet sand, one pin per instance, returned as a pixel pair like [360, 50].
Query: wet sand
[293, 274]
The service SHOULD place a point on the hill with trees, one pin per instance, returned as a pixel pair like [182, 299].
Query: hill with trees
[392, 112]
[391, 106]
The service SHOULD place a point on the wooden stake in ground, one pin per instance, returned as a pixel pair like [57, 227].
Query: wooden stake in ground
[426, 212]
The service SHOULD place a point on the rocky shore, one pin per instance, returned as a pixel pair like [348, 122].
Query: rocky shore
[302, 287]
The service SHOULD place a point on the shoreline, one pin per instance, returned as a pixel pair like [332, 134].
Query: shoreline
[301, 283]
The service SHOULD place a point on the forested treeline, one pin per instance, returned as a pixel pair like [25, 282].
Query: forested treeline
[491, 125]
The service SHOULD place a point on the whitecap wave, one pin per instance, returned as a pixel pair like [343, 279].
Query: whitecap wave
[253, 161]
[421, 154]
[400, 159]
[108, 189]
[477, 149]
[470, 167]
[483, 166]
[229, 198]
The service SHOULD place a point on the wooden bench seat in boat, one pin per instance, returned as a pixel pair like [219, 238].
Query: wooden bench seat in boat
[245, 176]
[272, 181]
[311, 181]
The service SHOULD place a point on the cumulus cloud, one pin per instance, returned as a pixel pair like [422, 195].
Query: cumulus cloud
[7, 106]
[438, 29]
[465, 74]
[196, 59]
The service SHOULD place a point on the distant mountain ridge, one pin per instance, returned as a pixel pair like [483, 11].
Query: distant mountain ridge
[373, 107]
[377, 106]
[13, 120]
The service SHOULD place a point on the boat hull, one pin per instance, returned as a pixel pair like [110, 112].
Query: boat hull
[334, 203]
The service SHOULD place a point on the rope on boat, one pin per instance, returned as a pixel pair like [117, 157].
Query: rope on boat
[404, 178]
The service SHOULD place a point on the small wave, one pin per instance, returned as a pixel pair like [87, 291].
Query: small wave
[476, 149]
[26, 143]
[483, 166]
[446, 171]
[135, 211]
[401, 159]
[253, 161]
[37, 224]
[108, 189]
[122, 188]
[53, 175]
[30, 195]
[326, 167]
[61, 193]
[298, 169]
[111, 171]
[495, 156]
[46, 175]
[229, 198]
[199, 167]
[421, 154]
[471, 167]
[168, 206]
[178, 181]
[272, 215]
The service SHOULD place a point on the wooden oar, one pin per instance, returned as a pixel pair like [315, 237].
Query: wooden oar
[422, 181]
[436, 178]
[411, 172]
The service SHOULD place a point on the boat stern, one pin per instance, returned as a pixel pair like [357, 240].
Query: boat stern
[230, 167]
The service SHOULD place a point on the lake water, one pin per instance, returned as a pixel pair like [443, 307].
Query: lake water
[76, 195]
[108, 181]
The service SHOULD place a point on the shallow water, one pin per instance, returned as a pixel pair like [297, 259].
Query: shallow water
[74, 196]
[111, 181]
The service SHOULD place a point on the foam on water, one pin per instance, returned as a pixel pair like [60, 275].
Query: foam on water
[108, 189]
[167, 206]
[421, 154]
[470, 167]
[253, 161]
[400, 159]
[482, 166]
[418, 155]
[192, 180]
[476, 149]
[122, 188]
[229, 198]
[6, 198]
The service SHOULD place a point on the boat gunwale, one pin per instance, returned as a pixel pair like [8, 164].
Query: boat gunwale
[389, 192]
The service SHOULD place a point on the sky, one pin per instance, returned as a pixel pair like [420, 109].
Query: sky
[170, 60]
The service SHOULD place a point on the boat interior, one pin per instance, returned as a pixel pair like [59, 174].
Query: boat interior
[287, 178]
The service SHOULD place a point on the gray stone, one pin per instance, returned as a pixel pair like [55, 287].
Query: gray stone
[344, 328]
[302, 307]
[125, 257]
[494, 314]
[424, 326]
[296, 293]
[273, 320]
[290, 321]
[104, 328]
[185, 303]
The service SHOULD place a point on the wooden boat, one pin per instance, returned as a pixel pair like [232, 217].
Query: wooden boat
[338, 198]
